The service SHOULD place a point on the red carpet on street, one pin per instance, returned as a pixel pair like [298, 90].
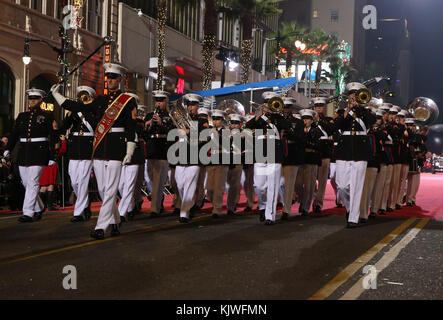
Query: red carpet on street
[429, 202]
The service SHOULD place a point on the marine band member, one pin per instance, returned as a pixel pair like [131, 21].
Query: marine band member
[34, 130]
[114, 142]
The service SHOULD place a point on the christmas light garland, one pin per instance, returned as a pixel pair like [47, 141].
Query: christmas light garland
[246, 59]
[209, 44]
[162, 18]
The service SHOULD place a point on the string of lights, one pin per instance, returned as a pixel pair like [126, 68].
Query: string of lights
[246, 59]
[209, 44]
[162, 18]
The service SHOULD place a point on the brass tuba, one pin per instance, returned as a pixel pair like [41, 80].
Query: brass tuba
[231, 106]
[424, 110]
[180, 116]
[276, 105]
[363, 96]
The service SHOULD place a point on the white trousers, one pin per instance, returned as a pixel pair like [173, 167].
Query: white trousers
[332, 174]
[30, 178]
[309, 175]
[80, 174]
[322, 178]
[233, 186]
[158, 174]
[350, 178]
[177, 200]
[266, 184]
[186, 178]
[368, 189]
[108, 174]
[126, 188]
[289, 175]
[247, 181]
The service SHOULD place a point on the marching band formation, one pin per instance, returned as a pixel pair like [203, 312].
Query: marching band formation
[283, 154]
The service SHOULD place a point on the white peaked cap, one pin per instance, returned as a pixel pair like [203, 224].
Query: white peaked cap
[192, 97]
[410, 121]
[307, 113]
[35, 92]
[89, 90]
[319, 100]
[160, 94]
[380, 113]
[393, 110]
[218, 113]
[403, 113]
[397, 107]
[114, 68]
[289, 101]
[137, 99]
[204, 111]
[297, 116]
[235, 117]
[385, 106]
[354, 86]
[269, 94]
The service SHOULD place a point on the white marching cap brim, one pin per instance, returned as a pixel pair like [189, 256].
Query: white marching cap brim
[355, 86]
[410, 121]
[269, 94]
[142, 107]
[89, 90]
[137, 99]
[319, 101]
[397, 107]
[35, 92]
[204, 111]
[192, 97]
[114, 68]
[160, 94]
[218, 113]
[393, 110]
[307, 113]
[379, 113]
[403, 113]
[235, 117]
[385, 106]
[289, 101]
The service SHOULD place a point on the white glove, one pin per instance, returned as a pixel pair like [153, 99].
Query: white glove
[6, 153]
[130, 147]
[51, 162]
[57, 96]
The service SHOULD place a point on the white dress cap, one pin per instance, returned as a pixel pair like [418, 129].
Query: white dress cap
[218, 113]
[160, 94]
[192, 97]
[307, 113]
[269, 94]
[319, 101]
[89, 90]
[35, 92]
[235, 117]
[203, 111]
[354, 86]
[114, 68]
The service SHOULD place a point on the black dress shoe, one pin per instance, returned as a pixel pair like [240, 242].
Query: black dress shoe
[285, 216]
[154, 214]
[262, 215]
[231, 213]
[114, 230]
[304, 213]
[362, 220]
[123, 219]
[24, 218]
[247, 209]
[38, 216]
[317, 209]
[347, 216]
[87, 213]
[215, 216]
[397, 207]
[382, 212]
[372, 215]
[351, 225]
[98, 234]
[404, 199]
[183, 220]
[176, 212]
[131, 215]
[413, 203]
[77, 219]
[389, 210]
[279, 205]
[269, 222]
[409, 204]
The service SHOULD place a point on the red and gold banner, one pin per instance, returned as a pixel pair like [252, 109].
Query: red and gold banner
[111, 114]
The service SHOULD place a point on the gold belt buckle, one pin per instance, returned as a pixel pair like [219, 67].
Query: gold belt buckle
[80, 133]
[353, 133]
[28, 139]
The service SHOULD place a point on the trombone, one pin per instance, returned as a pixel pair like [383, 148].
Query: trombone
[274, 104]
[362, 96]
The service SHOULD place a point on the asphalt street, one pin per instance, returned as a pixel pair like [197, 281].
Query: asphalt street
[227, 258]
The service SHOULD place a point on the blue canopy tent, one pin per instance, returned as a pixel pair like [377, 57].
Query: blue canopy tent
[246, 92]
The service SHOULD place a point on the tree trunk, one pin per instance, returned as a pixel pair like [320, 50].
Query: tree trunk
[318, 78]
[246, 46]
[209, 43]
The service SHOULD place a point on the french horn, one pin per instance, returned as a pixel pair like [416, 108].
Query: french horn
[424, 110]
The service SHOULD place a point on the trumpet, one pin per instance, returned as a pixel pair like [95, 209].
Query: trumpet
[84, 97]
[275, 104]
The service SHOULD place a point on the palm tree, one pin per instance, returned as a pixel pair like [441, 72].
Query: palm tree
[248, 11]
[162, 19]
[287, 35]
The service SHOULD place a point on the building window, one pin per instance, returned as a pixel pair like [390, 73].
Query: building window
[36, 5]
[95, 16]
[334, 16]
[315, 15]
[7, 93]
